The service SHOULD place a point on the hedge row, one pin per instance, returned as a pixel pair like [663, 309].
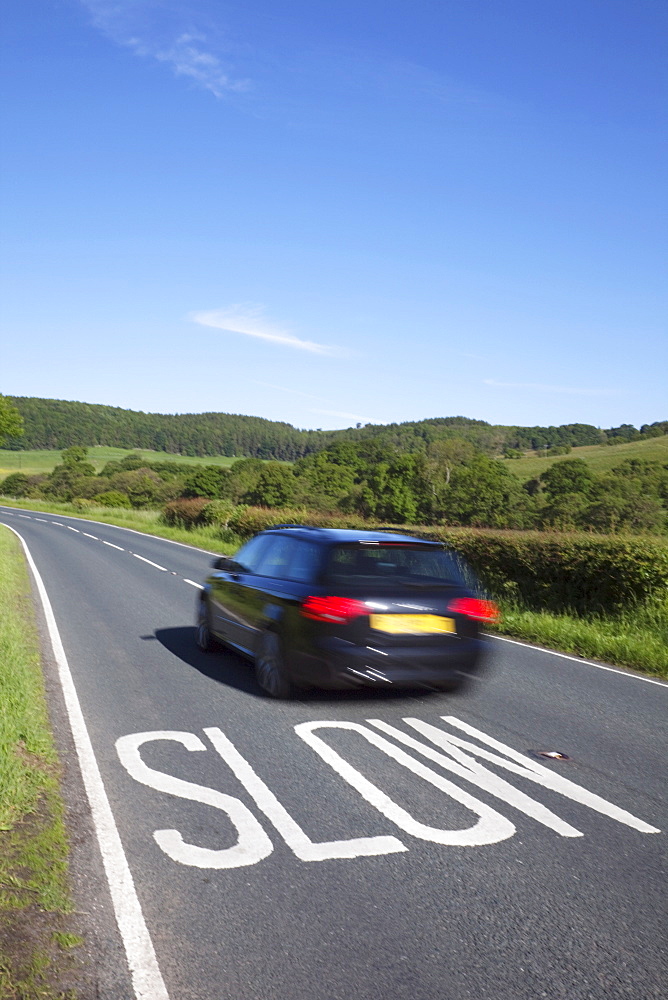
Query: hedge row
[583, 573]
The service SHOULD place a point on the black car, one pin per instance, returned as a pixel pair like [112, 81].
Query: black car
[334, 608]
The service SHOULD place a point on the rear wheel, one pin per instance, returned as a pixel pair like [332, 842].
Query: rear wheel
[203, 636]
[270, 670]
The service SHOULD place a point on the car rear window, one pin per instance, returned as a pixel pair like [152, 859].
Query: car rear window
[392, 564]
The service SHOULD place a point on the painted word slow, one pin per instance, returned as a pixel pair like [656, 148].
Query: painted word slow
[448, 751]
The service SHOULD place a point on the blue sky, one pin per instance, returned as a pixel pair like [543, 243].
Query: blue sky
[332, 213]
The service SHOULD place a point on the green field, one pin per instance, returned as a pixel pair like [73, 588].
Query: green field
[601, 457]
[33, 462]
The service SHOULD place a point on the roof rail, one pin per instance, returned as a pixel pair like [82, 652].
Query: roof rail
[308, 526]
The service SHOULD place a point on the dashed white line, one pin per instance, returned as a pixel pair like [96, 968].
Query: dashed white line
[163, 568]
[90, 536]
[146, 976]
[42, 519]
[59, 523]
[73, 529]
[193, 584]
[112, 546]
[27, 516]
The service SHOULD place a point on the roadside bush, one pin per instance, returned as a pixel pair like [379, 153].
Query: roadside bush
[585, 573]
[112, 498]
[218, 512]
[82, 503]
[15, 485]
[185, 512]
[247, 521]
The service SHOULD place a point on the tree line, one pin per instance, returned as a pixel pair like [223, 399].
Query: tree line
[451, 482]
[61, 424]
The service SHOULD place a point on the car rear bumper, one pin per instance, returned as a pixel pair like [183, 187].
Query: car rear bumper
[344, 664]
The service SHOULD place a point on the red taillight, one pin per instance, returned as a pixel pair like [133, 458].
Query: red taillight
[473, 607]
[333, 609]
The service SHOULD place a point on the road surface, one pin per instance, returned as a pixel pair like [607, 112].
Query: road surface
[371, 845]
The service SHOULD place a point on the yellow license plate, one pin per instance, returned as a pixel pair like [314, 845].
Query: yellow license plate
[411, 624]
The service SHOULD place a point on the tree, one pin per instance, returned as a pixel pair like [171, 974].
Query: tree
[571, 475]
[74, 456]
[244, 476]
[11, 421]
[275, 486]
[485, 494]
[209, 481]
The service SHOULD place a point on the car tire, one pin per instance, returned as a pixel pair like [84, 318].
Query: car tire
[270, 669]
[203, 637]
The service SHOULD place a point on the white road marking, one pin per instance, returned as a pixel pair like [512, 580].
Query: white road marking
[112, 546]
[292, 833]
[193, 584]
[578, 659]
[90, 536]
[155, 565]
[468, 768]
[146, 976]
[27, 516]
[528, 768]
[70, 528]
[43, 519]
[58, 523]
[253, 843]
[490, 827]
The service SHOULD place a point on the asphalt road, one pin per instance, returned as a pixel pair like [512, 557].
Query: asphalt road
[403, 870]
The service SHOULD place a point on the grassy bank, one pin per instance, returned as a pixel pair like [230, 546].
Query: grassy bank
[147, 521]
[36, 932]
[637, 638]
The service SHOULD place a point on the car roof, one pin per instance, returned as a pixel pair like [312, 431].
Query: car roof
[346, 535]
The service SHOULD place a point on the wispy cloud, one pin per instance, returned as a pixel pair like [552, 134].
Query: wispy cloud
[153, 31]
[538, 386]
[283, 388]
[249, 321]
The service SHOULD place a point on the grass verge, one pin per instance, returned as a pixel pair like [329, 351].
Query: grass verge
[35, 902]
[636, 639]
[144, 520]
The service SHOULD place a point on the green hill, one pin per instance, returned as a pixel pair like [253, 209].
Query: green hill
[56, 424]
[601, 458]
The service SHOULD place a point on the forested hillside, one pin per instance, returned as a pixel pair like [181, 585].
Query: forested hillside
[59, 424]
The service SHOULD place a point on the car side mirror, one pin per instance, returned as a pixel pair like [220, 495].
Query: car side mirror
[223, 563]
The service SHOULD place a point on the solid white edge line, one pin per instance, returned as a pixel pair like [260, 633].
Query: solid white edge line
[146, 976]
[156, 565]
[577, 659]
[193, 584]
